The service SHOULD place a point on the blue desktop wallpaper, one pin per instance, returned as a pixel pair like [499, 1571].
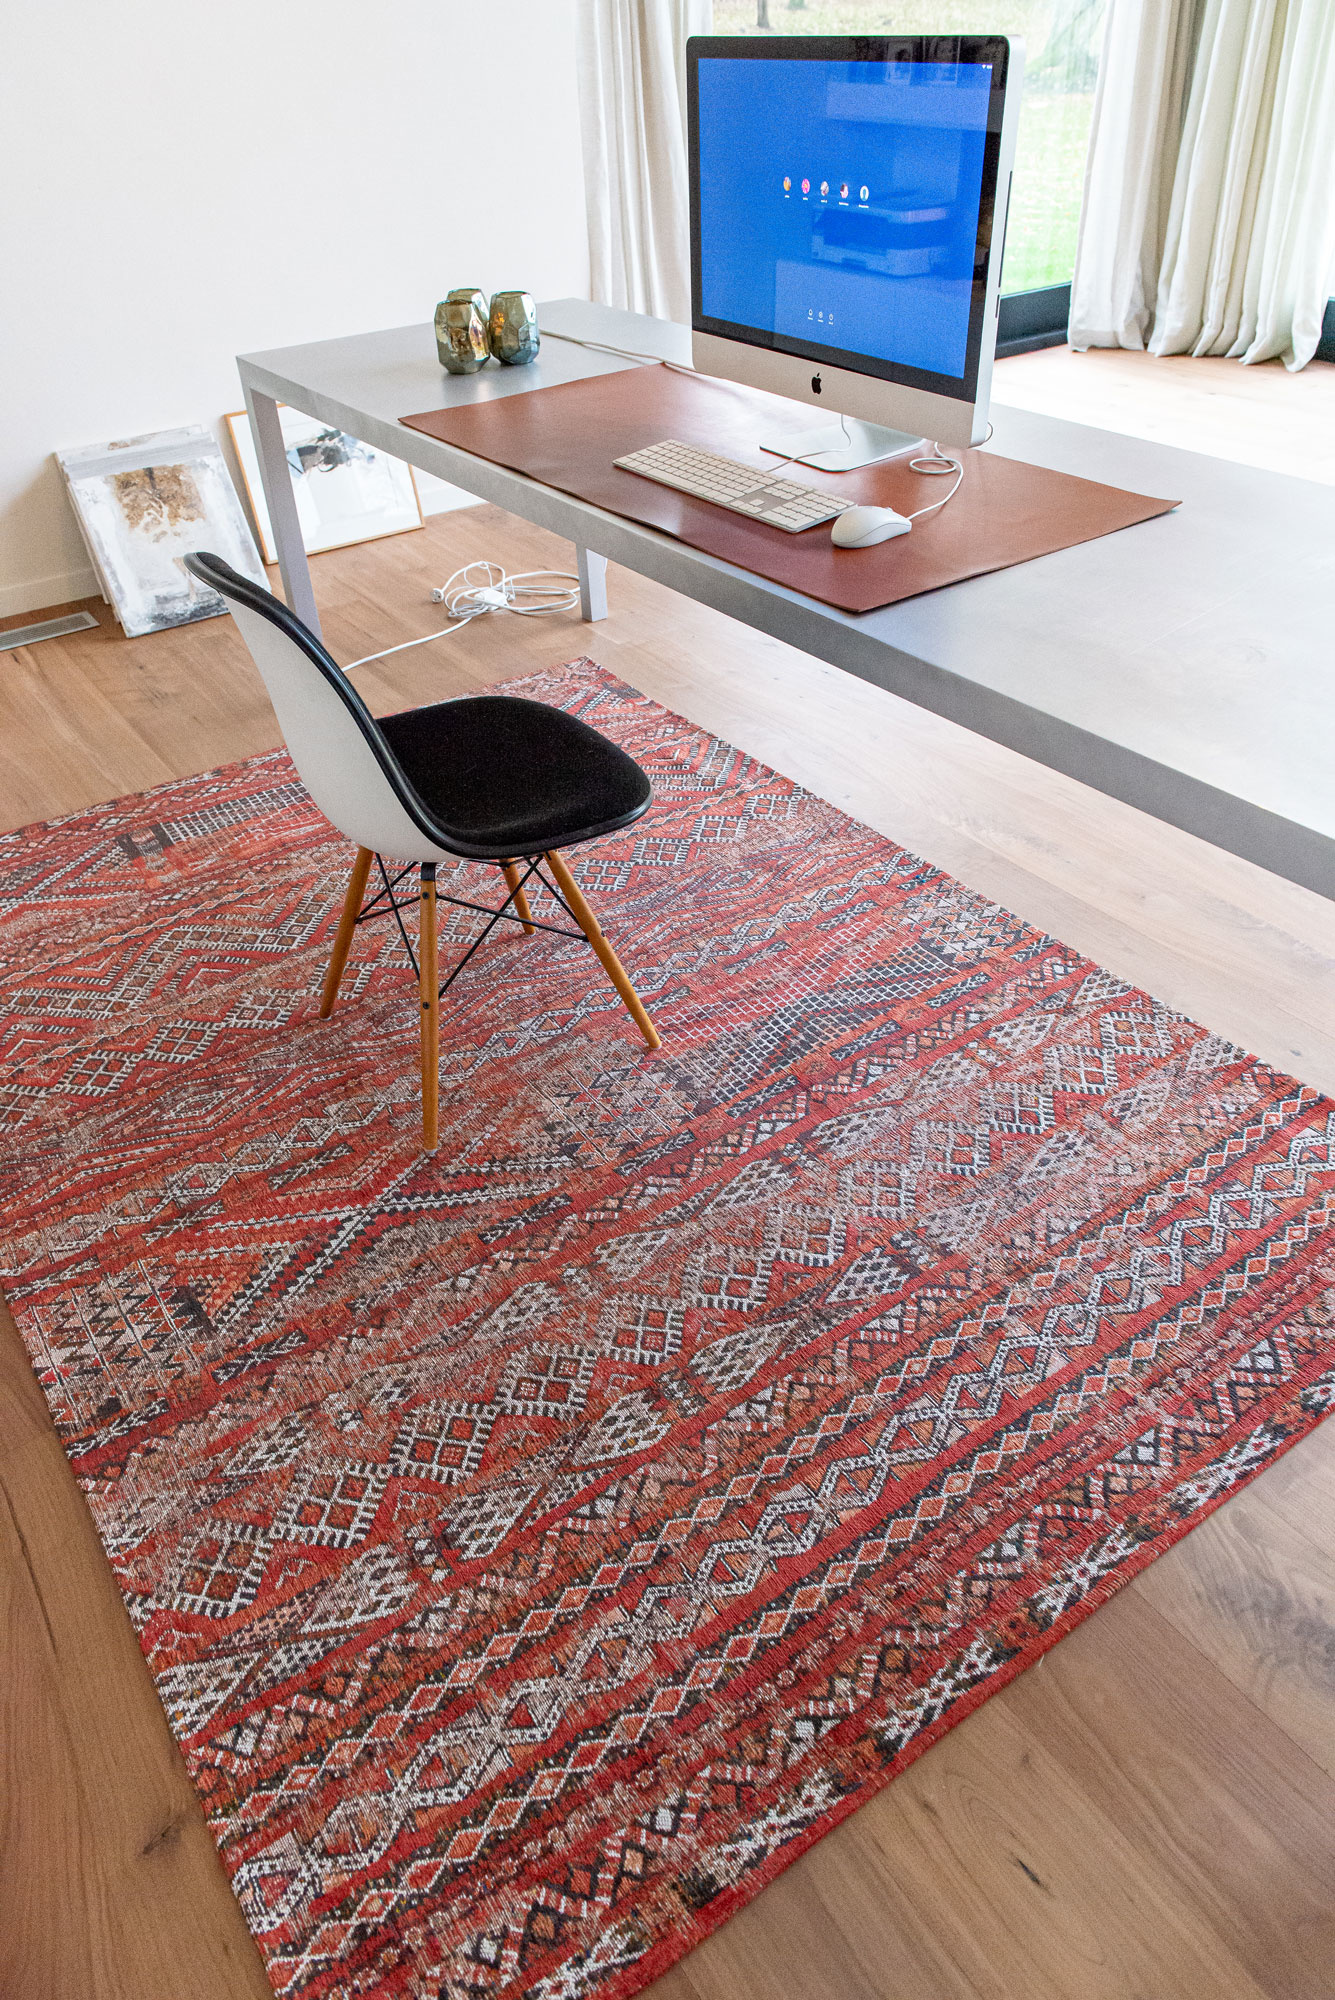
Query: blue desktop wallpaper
[839, 202]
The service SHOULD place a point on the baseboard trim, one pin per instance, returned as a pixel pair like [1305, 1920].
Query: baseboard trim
[1027, 320]
[40, 593]
[1029, 343]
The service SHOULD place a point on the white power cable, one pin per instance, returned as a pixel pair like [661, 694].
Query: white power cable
[626, 353]
[936, 464]
[480, 587]
[485, 586]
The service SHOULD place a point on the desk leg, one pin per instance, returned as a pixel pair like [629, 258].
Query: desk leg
[276, 479]
[592, 584]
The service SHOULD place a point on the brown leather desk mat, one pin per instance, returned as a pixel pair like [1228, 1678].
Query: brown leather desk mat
[568, 435]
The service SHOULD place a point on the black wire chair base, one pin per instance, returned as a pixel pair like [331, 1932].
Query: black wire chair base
[385, 903]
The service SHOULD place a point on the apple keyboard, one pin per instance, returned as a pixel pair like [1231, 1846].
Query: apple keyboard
[743, 489]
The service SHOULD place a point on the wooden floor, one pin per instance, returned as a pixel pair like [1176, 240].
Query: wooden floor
[1149, 1814]
[1261, 416]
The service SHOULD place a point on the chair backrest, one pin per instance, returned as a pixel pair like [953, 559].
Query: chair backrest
[342, 757]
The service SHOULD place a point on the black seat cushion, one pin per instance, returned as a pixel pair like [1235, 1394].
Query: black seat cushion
[502, 777]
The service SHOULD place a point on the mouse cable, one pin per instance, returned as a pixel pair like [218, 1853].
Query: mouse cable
[480, 587]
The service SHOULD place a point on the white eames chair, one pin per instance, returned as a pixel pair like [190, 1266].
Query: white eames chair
[491, 778]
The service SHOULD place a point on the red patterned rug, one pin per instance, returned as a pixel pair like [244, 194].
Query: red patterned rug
[536, 1548]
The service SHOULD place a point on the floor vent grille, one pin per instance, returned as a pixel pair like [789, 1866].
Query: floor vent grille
[45, 628]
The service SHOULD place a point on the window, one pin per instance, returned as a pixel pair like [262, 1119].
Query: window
[1062, 39]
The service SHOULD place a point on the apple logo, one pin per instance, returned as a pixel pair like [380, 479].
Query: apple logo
[815, 385]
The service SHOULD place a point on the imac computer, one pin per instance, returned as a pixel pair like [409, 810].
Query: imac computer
[848, 212]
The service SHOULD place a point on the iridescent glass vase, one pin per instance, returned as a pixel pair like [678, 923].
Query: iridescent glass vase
[514, 328]
[461, 331]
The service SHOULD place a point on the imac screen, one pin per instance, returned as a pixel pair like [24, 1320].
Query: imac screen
[838, 206]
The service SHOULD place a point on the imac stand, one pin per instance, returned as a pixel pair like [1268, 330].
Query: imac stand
[843, 447]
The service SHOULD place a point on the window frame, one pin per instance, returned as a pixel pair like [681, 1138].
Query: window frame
[1028, 320]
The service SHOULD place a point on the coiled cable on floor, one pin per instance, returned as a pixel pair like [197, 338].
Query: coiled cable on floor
[480, 587]
[485, 586]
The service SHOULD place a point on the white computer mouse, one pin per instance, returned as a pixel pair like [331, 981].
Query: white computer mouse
[863, 527]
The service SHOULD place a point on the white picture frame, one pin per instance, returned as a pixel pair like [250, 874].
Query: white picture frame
[345, 491]
[143, 504]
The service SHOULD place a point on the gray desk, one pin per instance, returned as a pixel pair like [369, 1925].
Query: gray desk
[1186, 666]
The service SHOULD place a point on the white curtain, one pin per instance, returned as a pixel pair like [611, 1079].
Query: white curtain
[1147, 48]
[1251, 239]
[632, 97]
[1209, 219]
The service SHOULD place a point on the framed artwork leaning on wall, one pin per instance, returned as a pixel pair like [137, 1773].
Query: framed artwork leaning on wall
[143, 504]
[346, 491]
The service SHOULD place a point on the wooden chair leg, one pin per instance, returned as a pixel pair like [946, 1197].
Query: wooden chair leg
[588, 923]
[510, 870]
[429, 975]
[347, 924]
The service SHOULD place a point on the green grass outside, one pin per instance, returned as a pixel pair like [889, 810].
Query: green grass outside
[1049, 182]
[1054, 123]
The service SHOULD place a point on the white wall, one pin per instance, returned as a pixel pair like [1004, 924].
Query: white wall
[184, 182]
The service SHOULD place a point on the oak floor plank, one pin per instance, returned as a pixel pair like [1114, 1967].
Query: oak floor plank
[795, 1939]
[110, 1884]
[1002, 1871]
[1240, 1822]
[47, 1864]
[1036, 1867]
[1300, 1487]
[1256, 1595]
[1128, 1795]
[1259, 416]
